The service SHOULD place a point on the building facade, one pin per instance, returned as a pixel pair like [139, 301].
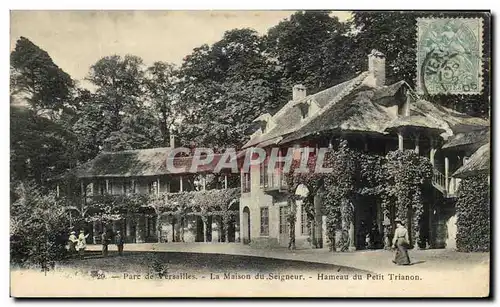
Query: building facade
[140, 179]
[372, 117]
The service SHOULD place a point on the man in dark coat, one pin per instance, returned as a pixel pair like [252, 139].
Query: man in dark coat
[119, 242]
[104, 242]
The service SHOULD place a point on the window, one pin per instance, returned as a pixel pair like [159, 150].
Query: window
[263, 175]
[284, 227]
[245, 183]
[305, 230]
[264, 221]
[304, 109]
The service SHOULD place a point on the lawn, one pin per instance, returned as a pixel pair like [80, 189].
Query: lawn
[196, 263]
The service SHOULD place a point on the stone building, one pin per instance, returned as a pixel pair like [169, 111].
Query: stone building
[373, 117]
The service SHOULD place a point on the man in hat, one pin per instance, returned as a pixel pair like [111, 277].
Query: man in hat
[119, 242]
[401, 242]
[104, 242]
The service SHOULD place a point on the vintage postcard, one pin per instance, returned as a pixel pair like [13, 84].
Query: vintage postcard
[250, 153]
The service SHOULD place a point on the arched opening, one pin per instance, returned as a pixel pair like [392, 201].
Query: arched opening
[245, 225]
[233, 225]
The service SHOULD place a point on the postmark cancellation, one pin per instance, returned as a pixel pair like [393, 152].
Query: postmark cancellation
[449, 56]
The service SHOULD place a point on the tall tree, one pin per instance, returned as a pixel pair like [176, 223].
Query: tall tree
[41, 111]
[39, 147]
[311, 48]
[161, 89]
[116, 117]
[37, 79]
[224, 87]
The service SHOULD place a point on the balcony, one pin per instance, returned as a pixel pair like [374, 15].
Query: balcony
[273, 183]
[446, 185]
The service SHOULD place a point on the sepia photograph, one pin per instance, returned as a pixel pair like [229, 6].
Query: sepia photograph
[246, 154]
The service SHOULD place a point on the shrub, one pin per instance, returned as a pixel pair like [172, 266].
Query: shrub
[38, 227]
[473, 215]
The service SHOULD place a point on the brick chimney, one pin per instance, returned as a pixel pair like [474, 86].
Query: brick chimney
[299, 92]
[376, 67]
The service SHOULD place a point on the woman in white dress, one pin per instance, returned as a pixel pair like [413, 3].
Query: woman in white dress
[401, 242]
[82, 243]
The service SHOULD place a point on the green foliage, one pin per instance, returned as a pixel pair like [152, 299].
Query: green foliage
[473, 215]
[407, 174]
[36, 78]
[311, 41]
[233, 75]
[116, 116]
[161, 90]
[112, 207]
[336, 188]
[39, 147]
[38, 227]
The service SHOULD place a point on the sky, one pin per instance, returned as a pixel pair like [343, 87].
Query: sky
[77, 39]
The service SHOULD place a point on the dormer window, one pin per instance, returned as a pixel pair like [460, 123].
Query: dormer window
[263, 126]
[265, 122]
[304, 109]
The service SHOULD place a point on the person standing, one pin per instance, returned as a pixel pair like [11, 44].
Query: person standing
[82, 243]
[73, 240]
[104, 242]
[119, 242]
[400, 241]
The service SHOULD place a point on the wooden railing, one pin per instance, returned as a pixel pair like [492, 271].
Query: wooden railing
[439, 180]
[447, 186]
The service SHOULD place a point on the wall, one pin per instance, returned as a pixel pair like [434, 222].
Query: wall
[256, 199]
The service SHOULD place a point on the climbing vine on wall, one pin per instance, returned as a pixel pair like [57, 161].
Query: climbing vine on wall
[336, 189]
[113, 206]
[407, 174]
[473, 215]
[395, 180]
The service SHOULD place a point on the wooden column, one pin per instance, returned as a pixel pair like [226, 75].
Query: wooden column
[225, 181]
[365, 143]
[400, 140]
[107, 186]
[57, 190]
[432, 151]
[417, 145]
[446, 173]
[158, 186]
[180, 184]
[204, 182]
[82, 189]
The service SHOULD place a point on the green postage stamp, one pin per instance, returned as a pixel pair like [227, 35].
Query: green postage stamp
[449, 55]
